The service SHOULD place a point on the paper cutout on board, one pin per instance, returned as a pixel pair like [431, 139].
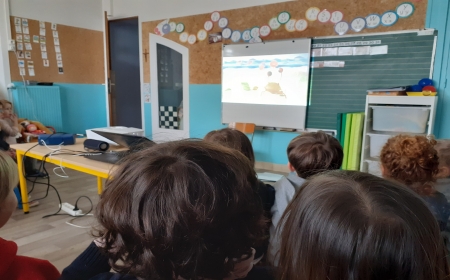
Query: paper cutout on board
[18, 28]
[246, 35]
[316, 52]
[184, 37]
[358, 24]
[31, 72]
[57, 49]
[345, 51]
[254, 32]
[58, 56]
[56, 41]
[223, 22]
[19, 46]
[27, 55]
[336, 16]
[255, 40]
[373, 21]
[264, 31]
[290, 25]
[28, 46]
[301, 25]
[162, 28]
[283, 17]
[226, 33]
[180, 28]
[215, 38]
[24, 22]
[46, 63]
[324, 16]
[19, 37]
[341, 28]
[30, 64]
[42, 39]
[44, 55]
[361, 50]
[35, 39]
[330, 51]
[208, 25]
[405, 10]
[59, 63]
[215, 16]
[192, 39]
[20, 54]
[389, 18]
[274, 24]
[21, 63]
[22, 71]
[60, 70]
[379, 50]
[173, 26]
[54, 26]
[25, 30]
[236, 36]
[17, 21]
[42, 24]
[312, 13]
[26, 38]
[55, 34]
[43, 47]
[42, 32]
[201, 35]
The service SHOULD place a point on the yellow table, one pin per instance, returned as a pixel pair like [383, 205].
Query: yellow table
[79, 163]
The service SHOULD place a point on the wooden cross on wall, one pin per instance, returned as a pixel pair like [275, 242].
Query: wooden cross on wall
[145, 55]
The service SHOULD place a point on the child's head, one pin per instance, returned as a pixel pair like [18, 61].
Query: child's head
[314, 152]
[353, 225]
[7, 108]
[182, 209]
[8, 180]
[232, 138]
[443, 149]
[411, 160]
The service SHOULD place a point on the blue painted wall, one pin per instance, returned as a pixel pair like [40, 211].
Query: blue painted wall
[438, 17]
[83, 106]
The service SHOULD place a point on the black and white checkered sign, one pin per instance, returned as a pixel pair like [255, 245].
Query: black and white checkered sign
[168, 117]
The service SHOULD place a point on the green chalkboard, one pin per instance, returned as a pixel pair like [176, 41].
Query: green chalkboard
[343, 89]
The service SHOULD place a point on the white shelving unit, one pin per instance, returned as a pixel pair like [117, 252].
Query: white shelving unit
[370, 161]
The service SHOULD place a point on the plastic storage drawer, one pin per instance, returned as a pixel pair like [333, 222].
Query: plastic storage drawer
[400, 119]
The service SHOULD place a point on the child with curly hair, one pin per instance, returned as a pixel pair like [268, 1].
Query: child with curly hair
[413, 161]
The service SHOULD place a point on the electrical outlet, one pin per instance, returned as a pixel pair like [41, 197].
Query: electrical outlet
[68, 208]
[11, 45]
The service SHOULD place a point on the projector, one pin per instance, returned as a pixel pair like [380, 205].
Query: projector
[113, 129]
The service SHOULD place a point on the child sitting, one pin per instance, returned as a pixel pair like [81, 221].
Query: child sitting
[308, 154]
[239, 141]
[443, 177]
[413, 161]
[12, 266]
[180, 210]
[353, 225]
[13, 127]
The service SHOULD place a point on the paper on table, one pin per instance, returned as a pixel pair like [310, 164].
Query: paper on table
[379, 50]
[266, 176]
[345, 51]
[361, 50]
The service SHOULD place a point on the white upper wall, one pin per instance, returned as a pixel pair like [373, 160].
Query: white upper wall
[78, 13]
[149, 10]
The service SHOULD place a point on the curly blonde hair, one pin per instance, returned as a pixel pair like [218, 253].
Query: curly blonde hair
[411, 160]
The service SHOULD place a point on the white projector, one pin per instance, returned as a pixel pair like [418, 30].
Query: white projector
[113, 129]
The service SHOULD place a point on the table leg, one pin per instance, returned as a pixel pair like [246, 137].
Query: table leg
[23, 184]
[99, 185]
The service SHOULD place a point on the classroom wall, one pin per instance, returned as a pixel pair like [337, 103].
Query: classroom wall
[5, 77]
[438, 17]
[205, 59]
[80, 28]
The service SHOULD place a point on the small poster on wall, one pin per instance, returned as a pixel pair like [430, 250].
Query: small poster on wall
[215, 38]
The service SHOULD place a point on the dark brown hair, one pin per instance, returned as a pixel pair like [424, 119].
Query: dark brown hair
[353, 225]
[232, 138]
[9, 176]
[411, 160]
[182, 209]
[314, 152]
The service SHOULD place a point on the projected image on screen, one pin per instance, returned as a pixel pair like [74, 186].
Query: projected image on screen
[266, 79]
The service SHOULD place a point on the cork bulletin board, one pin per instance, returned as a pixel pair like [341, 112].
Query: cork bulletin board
[205, 58]
[81, 51]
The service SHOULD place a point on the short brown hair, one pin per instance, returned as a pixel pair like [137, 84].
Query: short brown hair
[411, 160]
[353, 225]
[181, 209]
[234, 139]
[4, 102]
[314, 152]
[443, 150]
[9, 176]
